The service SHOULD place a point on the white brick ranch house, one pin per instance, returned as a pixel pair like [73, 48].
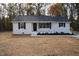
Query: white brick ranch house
[40, 24]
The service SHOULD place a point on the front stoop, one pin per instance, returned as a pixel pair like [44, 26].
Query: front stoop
[34, 34]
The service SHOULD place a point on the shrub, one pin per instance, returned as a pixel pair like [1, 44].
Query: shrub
[62, 33]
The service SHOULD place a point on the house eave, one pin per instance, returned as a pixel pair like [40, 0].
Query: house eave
[40, 21]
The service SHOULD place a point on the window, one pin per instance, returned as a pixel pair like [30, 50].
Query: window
[45, 25]
[21, 25]
[61, 24]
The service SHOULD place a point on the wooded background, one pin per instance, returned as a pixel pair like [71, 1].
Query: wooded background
[9, 11]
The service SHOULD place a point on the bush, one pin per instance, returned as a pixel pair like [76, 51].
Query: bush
[62, 33]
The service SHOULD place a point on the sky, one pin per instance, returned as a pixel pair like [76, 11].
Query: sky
[39, 1]
[5, 11]
[46, 9]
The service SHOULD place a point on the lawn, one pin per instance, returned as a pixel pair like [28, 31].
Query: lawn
[23, 45]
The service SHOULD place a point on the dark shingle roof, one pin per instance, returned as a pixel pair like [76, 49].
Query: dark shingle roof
[40, 18]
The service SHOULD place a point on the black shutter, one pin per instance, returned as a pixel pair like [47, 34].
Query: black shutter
[64, 24]
[18, 25]
[24, 25]
[50, 25]
[59, 24]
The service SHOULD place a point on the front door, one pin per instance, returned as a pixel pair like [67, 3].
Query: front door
[34, 27]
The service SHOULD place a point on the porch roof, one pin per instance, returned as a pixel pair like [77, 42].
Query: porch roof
[40, 18]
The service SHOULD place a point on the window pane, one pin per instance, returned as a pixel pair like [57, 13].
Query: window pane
[44, 25]
[61, 24]
[21, 25]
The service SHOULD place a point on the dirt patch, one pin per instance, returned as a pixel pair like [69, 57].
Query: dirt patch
[55, 45]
